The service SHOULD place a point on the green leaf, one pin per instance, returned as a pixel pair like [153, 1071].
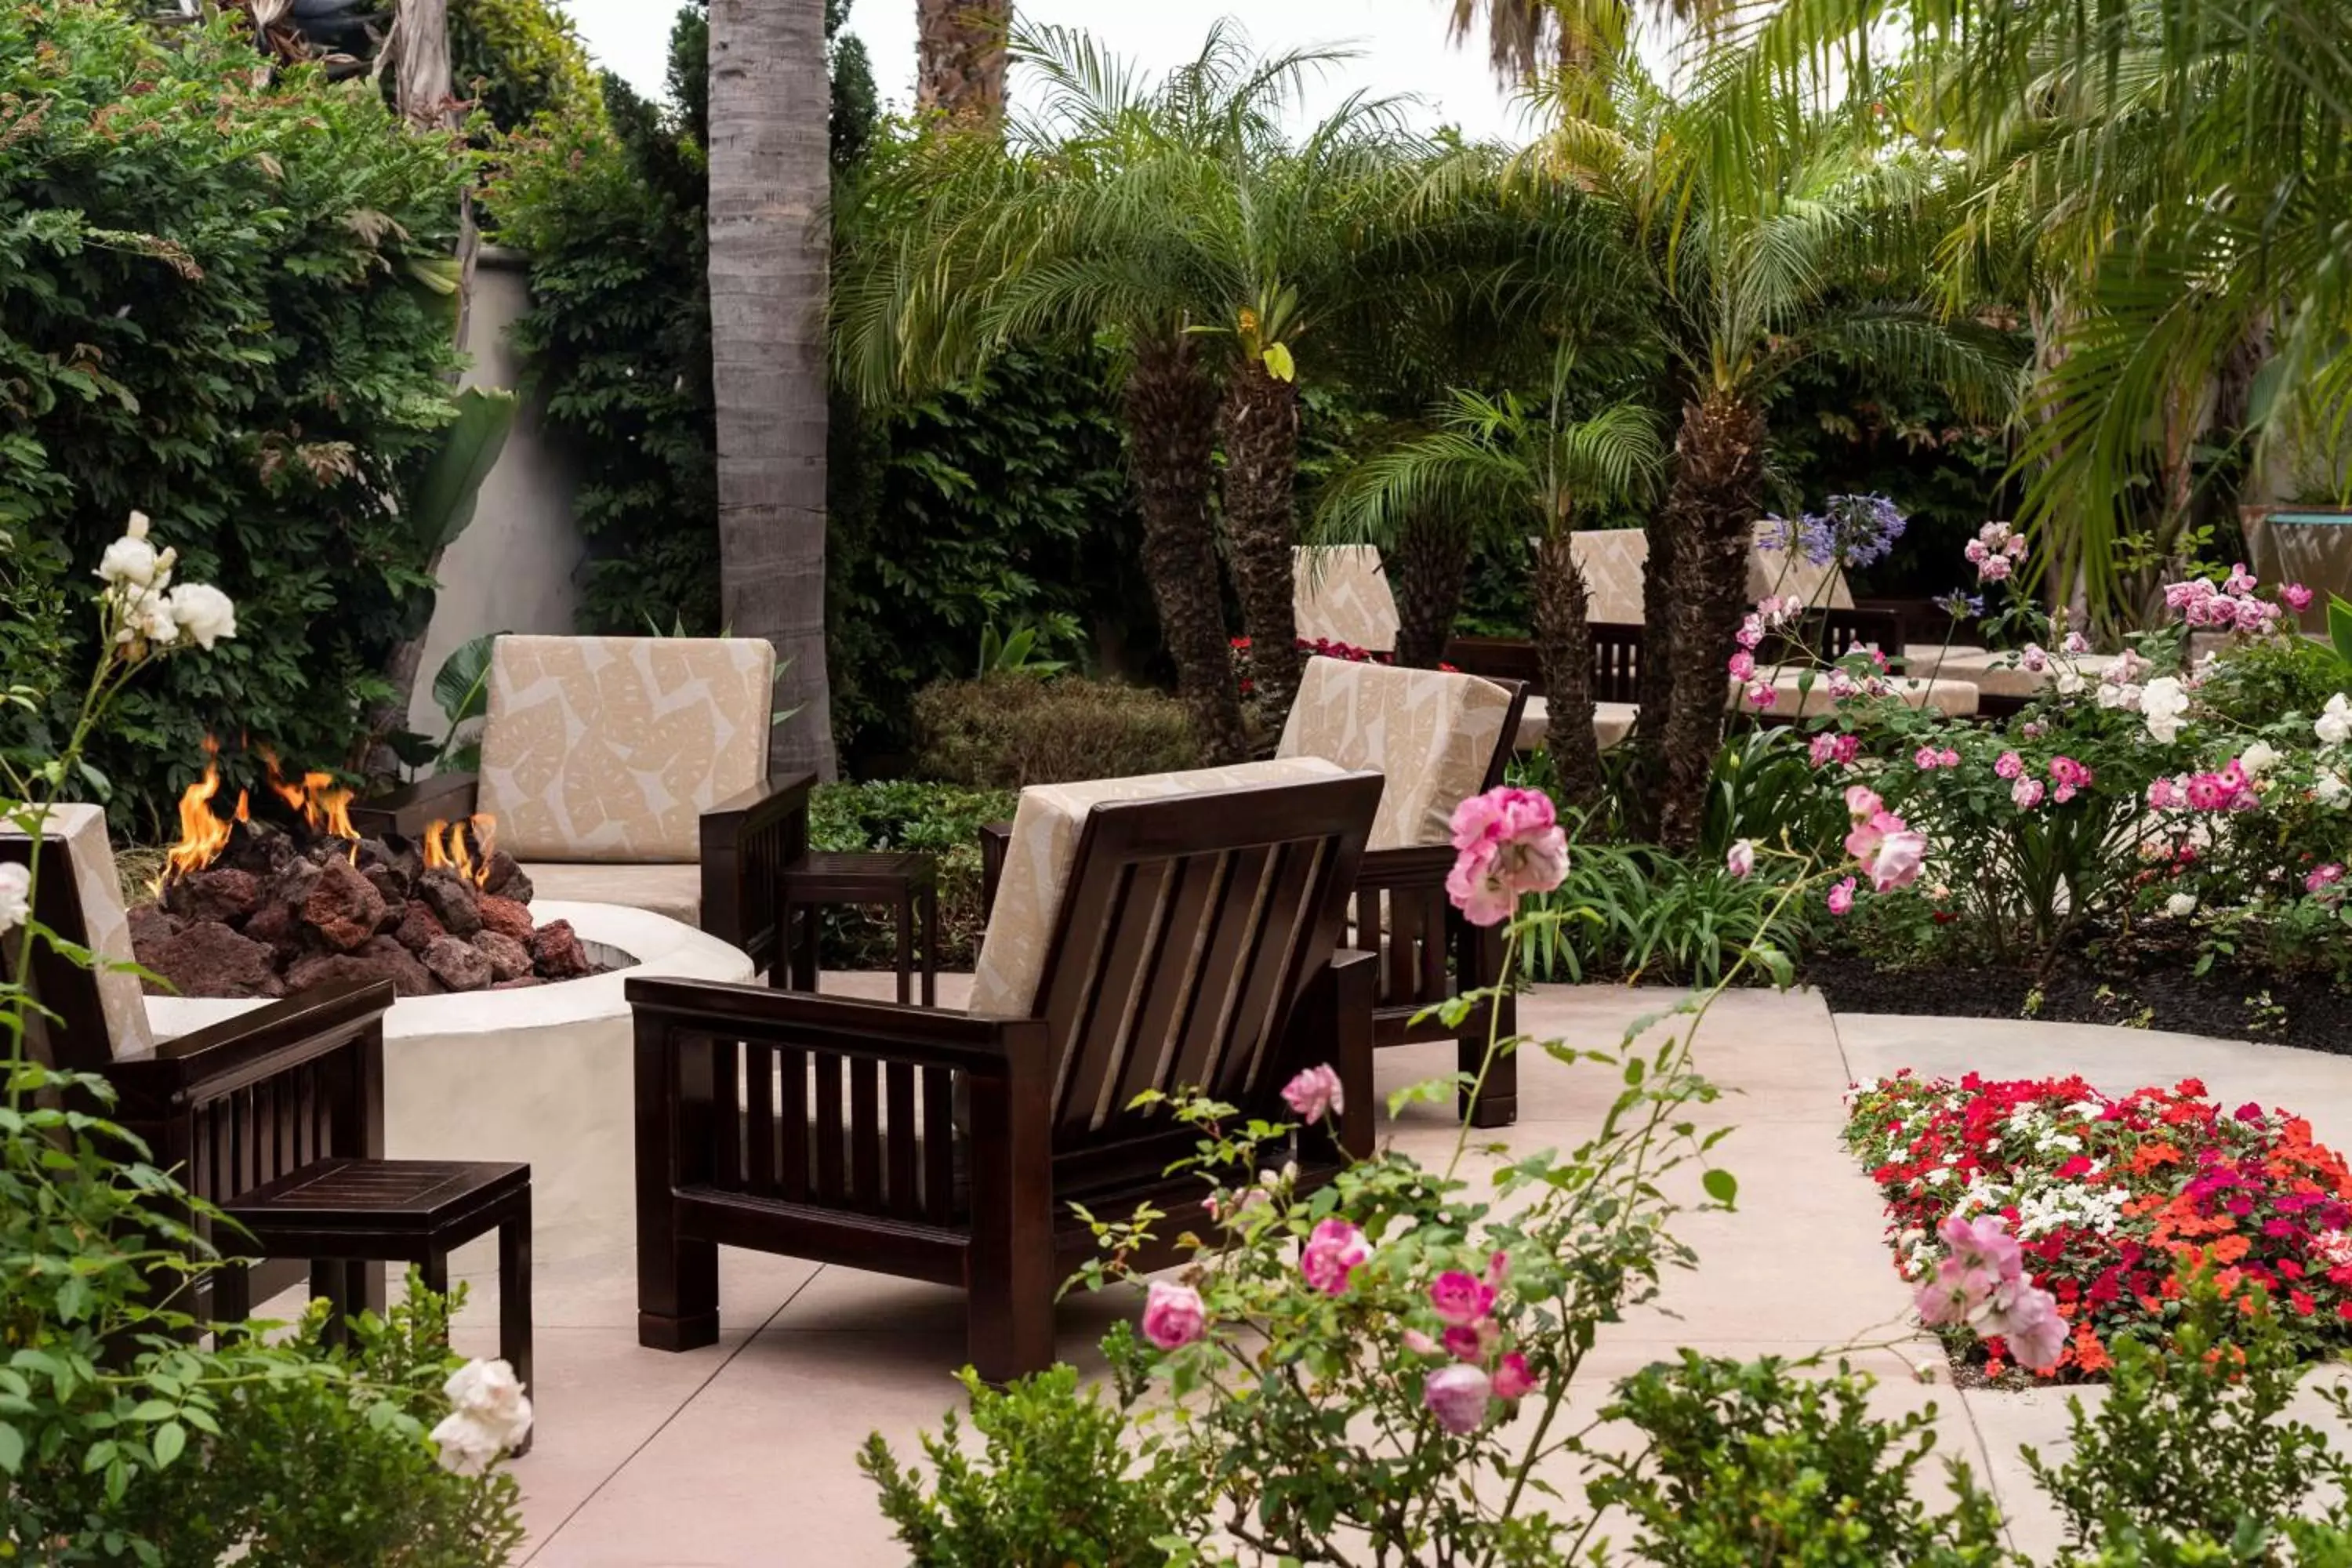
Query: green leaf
[1278, 362]
[2339, 627]
[462, 687]
[444, 503]
[1721, 1185]
[12, 1448]
[170, 1441]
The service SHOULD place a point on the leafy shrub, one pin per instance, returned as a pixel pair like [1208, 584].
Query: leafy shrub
[1751, 1465]
[1008, 732]
[519, 60]
[1634, 913]
[1056, 1484]
[942, 820]
[234, 330]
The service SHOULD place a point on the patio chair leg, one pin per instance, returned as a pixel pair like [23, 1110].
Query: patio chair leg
[1497, 1104]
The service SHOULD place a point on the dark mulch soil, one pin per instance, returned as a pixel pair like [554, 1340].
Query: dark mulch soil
[2153, 989]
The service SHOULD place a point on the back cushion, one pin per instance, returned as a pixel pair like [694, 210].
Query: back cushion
[1431, 734]
[80, 831]
[1044, 851]
[613, 748]
[1612, 561]
[1339, 592]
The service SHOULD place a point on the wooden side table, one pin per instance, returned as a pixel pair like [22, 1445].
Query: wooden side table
[908, 883]
[349, 1215]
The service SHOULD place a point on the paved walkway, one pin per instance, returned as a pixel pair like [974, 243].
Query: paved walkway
[743, 1454]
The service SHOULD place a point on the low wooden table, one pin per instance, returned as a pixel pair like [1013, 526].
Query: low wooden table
[908, 883]
[349, 1215]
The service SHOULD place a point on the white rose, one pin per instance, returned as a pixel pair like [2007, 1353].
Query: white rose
[488, 1397]
[2335, 726]
[128, 562]
[147, 613]
[2258, 759]
[2332, 790]
[15, 889]
[2162, 701]
[137, 527]
[466, 1443]
[2181, 906]
[2070, 682]
[203, 612]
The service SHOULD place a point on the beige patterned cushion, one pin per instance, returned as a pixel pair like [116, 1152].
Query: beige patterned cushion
[1432, 733]
[1772, 572]
[611, 748]
[1044, 850]
[665, 889]
[1611, 723]
[1612, 561]
[81, 830]
[1798, 697]
[1339, 592]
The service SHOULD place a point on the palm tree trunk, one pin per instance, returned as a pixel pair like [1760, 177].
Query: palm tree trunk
[960, 59]
[1171, 427]
[770, 104]
[1432, 562]
[1261, 420]
[1564, 652]
[1653, 693]
[1717, 496]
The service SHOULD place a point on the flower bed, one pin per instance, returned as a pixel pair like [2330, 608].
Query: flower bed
[2109, 1198]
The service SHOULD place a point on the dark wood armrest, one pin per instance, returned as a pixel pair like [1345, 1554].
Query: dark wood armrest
[885, 1031]
[995, 842]
[258, 1045]
[1414, 866]
[748, 840]
[1498, 658]
[410, 809]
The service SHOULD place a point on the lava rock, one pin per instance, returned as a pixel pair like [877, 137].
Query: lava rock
[502, 875]
[378, 958]
[293, 883]
[506, 918]
[419, 927]
[458, 964]
[258, 849]
[376, 855]
[344, 907]
[453, 901]
[215, 893]
[556, 953]
[152, 926]
[389, 884]
[509, 959]
[207, 959]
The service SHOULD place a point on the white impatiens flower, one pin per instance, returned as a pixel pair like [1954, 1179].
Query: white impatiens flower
[203, 612]
[16, 890]
[488, 1415]
[2335, 726]
[2162, 702]
[2181, 906]
[2258, 759]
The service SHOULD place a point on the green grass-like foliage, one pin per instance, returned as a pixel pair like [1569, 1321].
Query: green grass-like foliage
[215, 308]
[1636, 912]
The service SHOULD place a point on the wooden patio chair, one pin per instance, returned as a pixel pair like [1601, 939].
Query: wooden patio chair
[1164, 933]
[631, 771]
[228, 1107]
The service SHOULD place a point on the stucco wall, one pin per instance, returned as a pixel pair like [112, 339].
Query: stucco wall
[516, 568]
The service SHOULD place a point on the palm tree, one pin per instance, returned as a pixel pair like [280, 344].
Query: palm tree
[1766, 234]
[1173, 219]
[770, 176]
[960, 59]
[1528, 39]
[1524, 472]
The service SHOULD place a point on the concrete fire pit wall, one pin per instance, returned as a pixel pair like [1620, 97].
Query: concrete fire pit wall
[544, 1074]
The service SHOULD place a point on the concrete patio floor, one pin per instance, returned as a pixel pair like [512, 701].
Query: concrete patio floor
[743, 1454]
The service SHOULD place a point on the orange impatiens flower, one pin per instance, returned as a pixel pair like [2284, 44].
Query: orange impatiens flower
[2148, 1156]
[2089, 1354]
[2230, 1248]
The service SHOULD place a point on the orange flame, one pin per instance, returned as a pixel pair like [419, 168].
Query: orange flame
[462, 847]
[203, 835]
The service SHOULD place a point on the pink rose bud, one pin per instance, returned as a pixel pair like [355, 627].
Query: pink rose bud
[1459, 1397]
[1174, 1315]
[1513, 1381]
[1315, 1093]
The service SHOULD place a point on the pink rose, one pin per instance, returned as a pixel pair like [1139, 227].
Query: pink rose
[2298, 596]
[2027, 794]
[1174, 1315]
[1315, 1093]
[2039, 1339]
[1861, 802]
[1477, 887]
[1463, 1343]
[1513, 1381]
[1459, 1397]
[1741, 860]
[1842, 897]
[1508, 842]
[2010, 766]
[1459, 1297]
[2323, 876]
[1743, 665]
[1762, 694]
[1900, 855]
[1949, 758]
[1332, 1254]
[1823, 749]
[2162, 793]
[1926, 759]
[1420, 1343]
[2071, 774]
[1848, 748]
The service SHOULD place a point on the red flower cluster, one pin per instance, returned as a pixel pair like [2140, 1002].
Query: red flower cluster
[2111, 1198]
[1309, 648]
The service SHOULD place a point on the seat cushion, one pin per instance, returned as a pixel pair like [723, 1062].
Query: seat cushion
[1339, 592]
[1611, 723]
[1999, 673]
[1779, 574]
[1926, 659]
[1431, 734]
[1043, 852]
[611, 749]
[671, 890]
[1796, 698]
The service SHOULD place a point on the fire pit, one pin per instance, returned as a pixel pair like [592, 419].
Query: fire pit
[281, 895]
[544, 1074]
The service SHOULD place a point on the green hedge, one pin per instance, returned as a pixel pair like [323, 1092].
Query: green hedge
[214, 308]
[934, 819]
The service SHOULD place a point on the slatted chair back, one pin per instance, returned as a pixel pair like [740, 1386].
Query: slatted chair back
[1191, 929]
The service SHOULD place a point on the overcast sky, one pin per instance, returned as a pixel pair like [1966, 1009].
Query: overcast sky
[1401, 44]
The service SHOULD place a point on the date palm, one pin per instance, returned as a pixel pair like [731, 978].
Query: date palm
[1522, 472]
[1177, 221]
[960, 59]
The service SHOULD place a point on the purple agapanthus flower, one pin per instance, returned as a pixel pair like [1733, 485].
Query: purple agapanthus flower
[1961, 606]
[1852, 530]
